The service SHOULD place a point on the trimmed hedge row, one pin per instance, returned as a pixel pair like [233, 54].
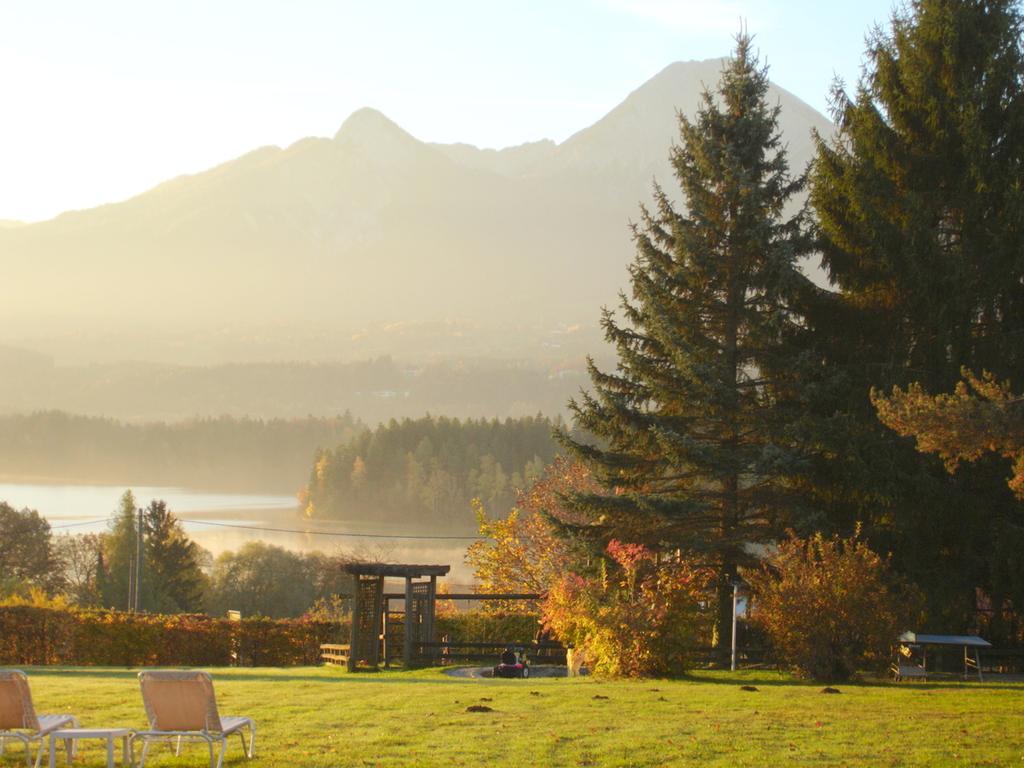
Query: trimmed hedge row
[30, 635]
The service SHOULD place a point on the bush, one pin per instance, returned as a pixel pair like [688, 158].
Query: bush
[638, 618]
[484, 626]
[828, 606]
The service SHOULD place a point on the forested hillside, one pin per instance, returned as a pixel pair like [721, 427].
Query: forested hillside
[222, 453]
[425, 472]
[372, 389]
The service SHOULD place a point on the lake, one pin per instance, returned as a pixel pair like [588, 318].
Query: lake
[225, 521]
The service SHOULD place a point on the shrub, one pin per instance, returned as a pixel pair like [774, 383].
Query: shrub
[828, 606]
[484, 626]
[638, 618]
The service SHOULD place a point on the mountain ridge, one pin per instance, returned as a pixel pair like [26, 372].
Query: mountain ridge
[376, 225]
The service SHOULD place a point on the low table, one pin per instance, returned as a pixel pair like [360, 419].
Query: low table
[109, 734]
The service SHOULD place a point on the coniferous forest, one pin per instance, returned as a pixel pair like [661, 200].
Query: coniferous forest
[426, 471]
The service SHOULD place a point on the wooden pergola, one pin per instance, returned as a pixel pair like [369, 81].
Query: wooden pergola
[369, 605]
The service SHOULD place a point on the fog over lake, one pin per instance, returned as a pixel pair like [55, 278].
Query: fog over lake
[211, 519]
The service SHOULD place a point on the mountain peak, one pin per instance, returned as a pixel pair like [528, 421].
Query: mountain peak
[368, 123]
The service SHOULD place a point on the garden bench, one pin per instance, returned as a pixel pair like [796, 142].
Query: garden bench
[332, 653]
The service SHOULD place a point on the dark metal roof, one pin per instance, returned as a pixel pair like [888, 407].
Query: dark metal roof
[395, 569]
[972, 641]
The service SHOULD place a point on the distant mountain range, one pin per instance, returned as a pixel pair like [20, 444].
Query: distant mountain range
[372, 226]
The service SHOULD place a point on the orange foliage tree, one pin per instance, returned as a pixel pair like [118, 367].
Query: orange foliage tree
[637, 618]
[981, 415]
[522, 552]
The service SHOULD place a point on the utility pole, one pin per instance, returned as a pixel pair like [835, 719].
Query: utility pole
[131, 585]
[138, 562]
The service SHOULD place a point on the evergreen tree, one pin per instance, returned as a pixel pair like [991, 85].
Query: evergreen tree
[920, 204]
[171, 563]
[121, 547]
[690, 424]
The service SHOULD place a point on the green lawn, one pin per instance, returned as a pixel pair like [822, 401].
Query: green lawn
[325, 717]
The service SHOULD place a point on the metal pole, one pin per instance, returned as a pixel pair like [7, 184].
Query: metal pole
[138, 563]
[735, 599]
[131, 584]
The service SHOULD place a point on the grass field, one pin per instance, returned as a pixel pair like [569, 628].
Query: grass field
[325, 717]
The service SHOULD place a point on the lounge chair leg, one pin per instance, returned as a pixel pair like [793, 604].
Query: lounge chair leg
[69, 750]
[71, 743]
[223, 749]
[39, 754]
[142, 755]
[177, 748]
[210, 745]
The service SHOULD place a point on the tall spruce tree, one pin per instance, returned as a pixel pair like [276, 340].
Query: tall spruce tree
[121, 546]
[175, 578]
[920, 203]
[689, 425]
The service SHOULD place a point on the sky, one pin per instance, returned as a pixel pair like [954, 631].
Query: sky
[104, 99]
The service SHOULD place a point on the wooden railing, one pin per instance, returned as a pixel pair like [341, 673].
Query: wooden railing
[444, 651]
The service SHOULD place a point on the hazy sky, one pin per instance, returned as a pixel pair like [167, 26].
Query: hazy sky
[103, 99]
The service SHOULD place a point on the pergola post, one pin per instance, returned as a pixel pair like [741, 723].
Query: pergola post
[353, 633]
[409, 629]
[428, 630]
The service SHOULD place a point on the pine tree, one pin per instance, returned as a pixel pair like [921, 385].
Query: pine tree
[172, 563]
[121, 546]
[920, 204]
[689, 426]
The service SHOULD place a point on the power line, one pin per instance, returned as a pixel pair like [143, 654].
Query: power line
[307, 531]
[335, 533]
[84, 522]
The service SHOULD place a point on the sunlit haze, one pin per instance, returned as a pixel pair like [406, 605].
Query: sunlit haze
[105, 99]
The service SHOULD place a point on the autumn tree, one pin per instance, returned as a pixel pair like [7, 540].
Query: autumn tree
[689, 451]
[81, 558]
[980, 416]
[523, 551]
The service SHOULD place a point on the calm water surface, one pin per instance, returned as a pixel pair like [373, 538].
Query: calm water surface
[211, 519]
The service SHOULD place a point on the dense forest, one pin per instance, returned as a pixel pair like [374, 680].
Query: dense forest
[429, 470]
[228, 453]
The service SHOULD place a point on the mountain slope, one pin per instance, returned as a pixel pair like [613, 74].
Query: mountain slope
[373, 225]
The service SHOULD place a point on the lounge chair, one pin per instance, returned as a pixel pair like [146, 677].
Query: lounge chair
[18, 718]
[181, 706]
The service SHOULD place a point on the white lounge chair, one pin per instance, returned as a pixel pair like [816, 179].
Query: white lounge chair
[18, 718]
[180, 706]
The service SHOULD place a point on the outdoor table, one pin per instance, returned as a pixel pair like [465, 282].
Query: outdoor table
[74, 734]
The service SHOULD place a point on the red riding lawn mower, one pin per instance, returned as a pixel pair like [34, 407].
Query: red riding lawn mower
[513, 664]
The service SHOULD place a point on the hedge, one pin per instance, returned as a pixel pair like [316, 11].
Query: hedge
[30, 635]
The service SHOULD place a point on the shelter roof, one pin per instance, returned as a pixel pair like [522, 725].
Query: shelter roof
[972, 641]
[395, 569]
